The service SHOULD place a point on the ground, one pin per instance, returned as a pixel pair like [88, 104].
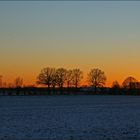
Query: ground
[72, 117]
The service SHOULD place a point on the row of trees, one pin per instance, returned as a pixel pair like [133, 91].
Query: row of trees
[129, 83]
[61, 77]
[52, 77]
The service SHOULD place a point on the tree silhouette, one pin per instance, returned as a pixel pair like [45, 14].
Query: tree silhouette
[96, 78]
[18, 83]
[69, 78]
[77, 76]
[61, 74]
[115, 84]
[46, 76]
[115, 88]
[54, 80]
[130, 82]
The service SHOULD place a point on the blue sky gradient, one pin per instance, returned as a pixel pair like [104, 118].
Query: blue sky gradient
[69, 34]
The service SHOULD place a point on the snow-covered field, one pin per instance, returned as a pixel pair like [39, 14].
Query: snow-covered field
[70, 117]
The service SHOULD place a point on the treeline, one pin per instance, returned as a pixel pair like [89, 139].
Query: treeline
[35, 91]
[71, 78]
[68, 81]
[61, 77]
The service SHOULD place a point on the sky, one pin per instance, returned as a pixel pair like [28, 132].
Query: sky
[69, 34]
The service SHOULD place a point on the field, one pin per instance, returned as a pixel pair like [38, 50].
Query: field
[71, 117]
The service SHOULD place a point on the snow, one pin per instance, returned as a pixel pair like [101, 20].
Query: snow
[72, 117]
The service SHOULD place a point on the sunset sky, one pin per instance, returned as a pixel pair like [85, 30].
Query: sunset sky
[69, 34]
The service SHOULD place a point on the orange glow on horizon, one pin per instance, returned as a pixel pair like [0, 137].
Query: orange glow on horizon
[29, 79]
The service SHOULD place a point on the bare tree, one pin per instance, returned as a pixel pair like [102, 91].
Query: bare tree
[77, 77]
[61, 74]
[69, 78]
[54, 80]
[96, 78]
[46, 76]
[18, 82]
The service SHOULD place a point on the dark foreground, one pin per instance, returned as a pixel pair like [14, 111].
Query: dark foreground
[70, 117]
